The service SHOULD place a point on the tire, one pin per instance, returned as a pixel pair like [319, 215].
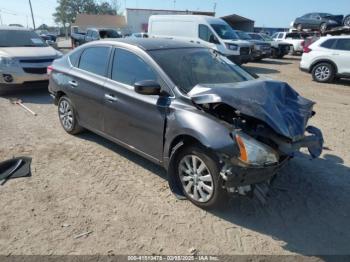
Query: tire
[323, 73]
[291, 51]
[67, 116]
[208, 194]
[347, 21]
[280, 56]
[299, 27]
[323, 28]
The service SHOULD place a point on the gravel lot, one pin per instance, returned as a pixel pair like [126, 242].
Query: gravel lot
[87, 184]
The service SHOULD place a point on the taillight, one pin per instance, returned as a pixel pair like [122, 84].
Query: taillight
[49, 70]
[307, 49]
[303, 43]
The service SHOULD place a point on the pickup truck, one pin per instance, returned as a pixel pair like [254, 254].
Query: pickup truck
[296, 40]
[279, 48]
[92, 34]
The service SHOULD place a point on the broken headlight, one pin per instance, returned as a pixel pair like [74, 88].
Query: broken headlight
[254, 152]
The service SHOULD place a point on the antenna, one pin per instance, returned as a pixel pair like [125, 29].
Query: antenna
[174, 4]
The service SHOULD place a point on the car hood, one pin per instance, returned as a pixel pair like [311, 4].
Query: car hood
[238, 42]
[273, 102]
[27, 52]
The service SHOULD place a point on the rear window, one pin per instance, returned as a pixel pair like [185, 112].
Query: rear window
[294, 36]
[20, 38]
[95, 60]
[328, 44]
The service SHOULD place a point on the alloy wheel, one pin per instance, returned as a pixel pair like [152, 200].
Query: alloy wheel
[66, 114]
[322, 73]
[196, 178]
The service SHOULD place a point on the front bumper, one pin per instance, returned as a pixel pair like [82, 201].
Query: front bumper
[258, 54]
[240, 59]
[18, 77]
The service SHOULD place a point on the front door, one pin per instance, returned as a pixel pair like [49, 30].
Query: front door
[133, 119]
[341, 55]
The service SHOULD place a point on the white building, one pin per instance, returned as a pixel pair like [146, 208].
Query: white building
[137, 19]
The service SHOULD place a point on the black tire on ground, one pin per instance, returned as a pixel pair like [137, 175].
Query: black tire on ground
[291, 51]
[280, 56]
[67, 110]
[323, 28]
[218, 197]
[323, 72]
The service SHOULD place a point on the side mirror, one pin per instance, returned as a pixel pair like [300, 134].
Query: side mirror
[147, 87]
[213, 39]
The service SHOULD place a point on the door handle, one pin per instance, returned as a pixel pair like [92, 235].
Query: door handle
[110, 98]
[73, 83]
[335, 54]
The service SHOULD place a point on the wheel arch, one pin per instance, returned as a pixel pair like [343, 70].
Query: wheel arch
[323, 61]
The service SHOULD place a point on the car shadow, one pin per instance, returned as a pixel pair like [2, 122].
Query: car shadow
[307, 210]
[273, 62]
[342, 82]
[260, 70]
[32, 96]
[292, 58]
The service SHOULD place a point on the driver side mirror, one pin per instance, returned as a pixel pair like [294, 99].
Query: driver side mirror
[147, 87]
[213, 39]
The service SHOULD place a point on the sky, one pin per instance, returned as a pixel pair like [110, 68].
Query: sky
[268, 13]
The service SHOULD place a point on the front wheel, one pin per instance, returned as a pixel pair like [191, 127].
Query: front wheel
[199, 174]
[323, 73]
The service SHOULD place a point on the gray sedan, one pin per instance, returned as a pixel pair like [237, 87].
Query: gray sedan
[210, 124]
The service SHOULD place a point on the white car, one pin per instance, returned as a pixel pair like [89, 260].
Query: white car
[327, 59]
[296, 41]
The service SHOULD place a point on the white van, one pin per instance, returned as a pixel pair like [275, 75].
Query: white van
[209, 31]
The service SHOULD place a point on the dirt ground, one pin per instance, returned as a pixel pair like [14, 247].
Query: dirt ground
[87, 184]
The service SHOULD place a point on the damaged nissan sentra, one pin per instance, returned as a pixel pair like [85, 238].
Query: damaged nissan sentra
[213, 126]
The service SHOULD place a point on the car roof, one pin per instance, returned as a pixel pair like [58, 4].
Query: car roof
[14, 28]
[336, 36]
[149, 44]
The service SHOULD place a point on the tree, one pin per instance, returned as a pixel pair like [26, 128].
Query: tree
[67, 10]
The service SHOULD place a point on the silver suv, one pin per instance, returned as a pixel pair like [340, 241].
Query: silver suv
[24, 58]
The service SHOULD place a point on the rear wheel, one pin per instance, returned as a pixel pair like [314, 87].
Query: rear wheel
[198, 172]
[323, 73]
[347, 21]
[323, 28]
[67, 116]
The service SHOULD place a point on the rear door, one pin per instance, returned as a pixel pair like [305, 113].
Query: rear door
[86, 83]
[341, 55]
[133, 119]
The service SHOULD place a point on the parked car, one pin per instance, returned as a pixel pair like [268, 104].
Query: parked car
[139, 35]
[318, 21]
[296, 40]
[346, 21]
[92, 34]
[209, 123]
[261, 48]
[211, 32]
[327, 59]
[24, 58]
[278, 48]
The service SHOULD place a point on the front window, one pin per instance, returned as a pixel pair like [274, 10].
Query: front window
[224, 31]
[243, 35]
[266, 37]
[88, 61]
[19, 38]
[188, 67]
[256, 37]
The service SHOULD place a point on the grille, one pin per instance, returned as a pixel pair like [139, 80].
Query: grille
[39, 71]
[245, 50]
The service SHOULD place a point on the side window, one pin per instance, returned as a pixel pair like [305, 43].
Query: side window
[128, 68]
[280, 36]
[95, 35]
[74, 58]
[328, 44]
[343, 44]
[204, 33]
[95, 60]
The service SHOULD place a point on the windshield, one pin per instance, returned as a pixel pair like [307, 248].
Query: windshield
[243, 35]
[109, 34]
[266, 37]
[188, 67]
[224, 31]
[256, 37]
[19, 38]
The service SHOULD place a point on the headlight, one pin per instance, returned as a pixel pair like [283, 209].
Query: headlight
[253, 152]
[258, 47]
[8, 62]
[232, 47]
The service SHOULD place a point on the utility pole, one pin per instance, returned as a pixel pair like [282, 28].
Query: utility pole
[215, 7]
[31, 10]
[0, 18]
